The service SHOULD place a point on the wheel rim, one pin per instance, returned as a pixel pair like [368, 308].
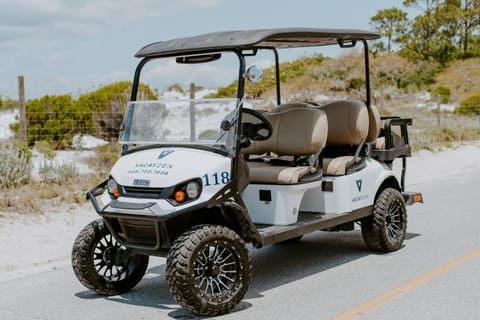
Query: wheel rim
[394, 219]
[216, 270]
[106, 260]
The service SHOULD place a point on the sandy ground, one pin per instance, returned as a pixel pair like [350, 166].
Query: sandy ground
[38, 242]
[35, 243]
[7, 118]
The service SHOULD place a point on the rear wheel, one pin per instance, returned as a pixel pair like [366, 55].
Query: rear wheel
[208, 270]
[102, 265]
[386, 228]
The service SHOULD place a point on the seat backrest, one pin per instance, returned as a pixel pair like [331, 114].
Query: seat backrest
[347, 122]
[295, 105]
[374, 124]
[296, 131]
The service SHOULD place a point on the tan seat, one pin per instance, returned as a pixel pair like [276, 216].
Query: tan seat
[374, 125]
[296, 131]
[348, 125]
[266, 173]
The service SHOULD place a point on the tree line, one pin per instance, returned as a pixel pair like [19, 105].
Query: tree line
[442, 31]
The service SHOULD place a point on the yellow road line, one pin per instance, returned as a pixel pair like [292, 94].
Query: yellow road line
[409, 286]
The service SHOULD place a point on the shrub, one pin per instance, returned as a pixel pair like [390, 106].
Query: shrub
[51, 172]
[469, 106]
[55, 119]
[176, 87]
[107, 106]
[289, 70]
[45, 148]
[443, 93]
[106, 157]
[15, 166]
[8, 104]
[424, 74]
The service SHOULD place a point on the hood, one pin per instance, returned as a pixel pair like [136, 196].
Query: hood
[165, 167]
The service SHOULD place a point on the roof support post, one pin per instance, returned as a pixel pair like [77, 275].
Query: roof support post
[136, 79]
[240, 99]
[277, 75]
[367, 72]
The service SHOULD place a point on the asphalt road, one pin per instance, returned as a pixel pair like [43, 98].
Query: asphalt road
[436, 275]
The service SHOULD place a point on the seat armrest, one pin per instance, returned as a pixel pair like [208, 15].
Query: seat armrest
[395, 146]
[394, 121]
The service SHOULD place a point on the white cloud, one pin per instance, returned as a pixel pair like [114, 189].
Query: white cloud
[208, 75]
[50, 12]
[85, 83]
[44, 39]
[30, 20]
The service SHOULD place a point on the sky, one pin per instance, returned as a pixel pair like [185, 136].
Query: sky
[72, 46]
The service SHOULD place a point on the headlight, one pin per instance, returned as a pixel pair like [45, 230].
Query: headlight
[193, 190]
[113, 188]
[186, 192]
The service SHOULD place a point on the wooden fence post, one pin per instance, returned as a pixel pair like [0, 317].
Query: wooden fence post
[21, 105]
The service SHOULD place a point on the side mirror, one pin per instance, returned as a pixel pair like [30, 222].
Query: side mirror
[254, 74]
[226, 125]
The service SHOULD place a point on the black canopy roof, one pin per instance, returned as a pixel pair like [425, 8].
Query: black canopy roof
[278, 38]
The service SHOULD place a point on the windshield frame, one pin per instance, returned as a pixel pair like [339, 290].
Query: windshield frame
[236, 127]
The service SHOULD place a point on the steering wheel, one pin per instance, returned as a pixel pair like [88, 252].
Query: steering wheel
[255, 131]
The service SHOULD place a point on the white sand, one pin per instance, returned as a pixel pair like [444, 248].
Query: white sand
[7, 118]
[427, 166]
[35, 243]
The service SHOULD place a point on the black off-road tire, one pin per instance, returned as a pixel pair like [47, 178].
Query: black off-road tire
[386, 228]
[208, 270]
[93, 264]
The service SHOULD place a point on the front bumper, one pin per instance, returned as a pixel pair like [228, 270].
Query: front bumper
[148, 226]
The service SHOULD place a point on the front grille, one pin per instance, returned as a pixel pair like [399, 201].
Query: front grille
[138, 231]
[143, 192]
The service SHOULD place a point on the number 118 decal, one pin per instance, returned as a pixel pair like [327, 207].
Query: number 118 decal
[216, 179]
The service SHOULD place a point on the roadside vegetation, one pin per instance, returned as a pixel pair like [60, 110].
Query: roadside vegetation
[57, 187]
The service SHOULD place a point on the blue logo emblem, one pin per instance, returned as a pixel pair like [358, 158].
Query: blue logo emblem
[165, 153]
[359, 185]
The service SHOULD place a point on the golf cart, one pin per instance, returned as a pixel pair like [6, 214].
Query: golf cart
[199, 179]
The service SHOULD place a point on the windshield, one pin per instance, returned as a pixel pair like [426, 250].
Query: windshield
[177, 102]
[179, 121]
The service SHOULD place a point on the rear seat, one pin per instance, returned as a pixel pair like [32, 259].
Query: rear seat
[350, 125]
[348, 129]
[296, 131]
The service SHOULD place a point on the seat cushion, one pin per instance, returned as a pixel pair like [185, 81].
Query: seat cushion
[266, 173]
[336, 166]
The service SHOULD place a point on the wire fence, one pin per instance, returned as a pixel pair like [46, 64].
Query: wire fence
[57, 119]
[60, 128]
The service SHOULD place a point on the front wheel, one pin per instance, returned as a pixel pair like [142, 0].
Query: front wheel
[386, 228]
[102, 265]
[208, 270]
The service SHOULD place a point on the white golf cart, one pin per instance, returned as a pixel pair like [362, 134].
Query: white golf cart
[200, 178]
